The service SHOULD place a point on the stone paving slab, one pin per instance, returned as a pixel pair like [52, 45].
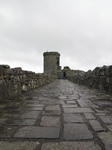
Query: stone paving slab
[70, 146]
[63, 97]
[31, 114]
[51, 112]
[96, 125]
[34, 105]
[49, 102]
[82, 103]
[69, 106]
[76, 131]
[38, 132]
[106, 119]
[109, 127]
[7, 131]
[52, 107]
[70, 102]
[16, 122]
[36, 108]
[101, 114]
[50, 121]
[18, 145]
[73, 96]
[89, 116]
[77, 110]
[28, 122]
[42, 98]
[100, 110]
[73, 118]
[91, 104]
[106, 138]
[60, 115]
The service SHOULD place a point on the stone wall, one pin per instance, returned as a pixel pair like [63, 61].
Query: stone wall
[14, 81]
[100, 78]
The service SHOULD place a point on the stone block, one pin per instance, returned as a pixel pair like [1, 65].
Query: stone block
[68, 105]
[38, 132]
[24, 145]
[70, 102]
[28, 122]
[96, 125]
[82, 103]
[51, 112]
[110, 70]
[52, 107]
[76, 132]
[106, 138]
[73, 118]
[106, 119]
[24, 88]
[3, 90]
[15, 71]
[2, 71]
[50, 121]
[31, 115]
[70, 146]
[89, 116]
[10, 89]
[109, 127]
[77, 110]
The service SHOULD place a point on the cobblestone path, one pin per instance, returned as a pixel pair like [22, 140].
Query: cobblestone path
[59, 116]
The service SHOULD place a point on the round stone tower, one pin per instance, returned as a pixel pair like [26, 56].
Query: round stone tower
[51, 62]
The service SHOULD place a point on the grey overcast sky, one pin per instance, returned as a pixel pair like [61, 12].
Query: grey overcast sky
[80, 30]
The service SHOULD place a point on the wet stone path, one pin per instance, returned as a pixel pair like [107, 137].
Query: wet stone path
[59, 116]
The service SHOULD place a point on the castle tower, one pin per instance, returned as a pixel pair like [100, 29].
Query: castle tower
[51, 62]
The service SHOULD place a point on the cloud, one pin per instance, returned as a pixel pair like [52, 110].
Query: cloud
[79, 30]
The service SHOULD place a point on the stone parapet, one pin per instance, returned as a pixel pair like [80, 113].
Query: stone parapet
[100, 78]
[14, 81]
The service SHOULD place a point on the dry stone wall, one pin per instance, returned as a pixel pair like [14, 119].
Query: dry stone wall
[14, 81]
[100, 78]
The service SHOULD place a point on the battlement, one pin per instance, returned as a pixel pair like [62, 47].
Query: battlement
[51, 53]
